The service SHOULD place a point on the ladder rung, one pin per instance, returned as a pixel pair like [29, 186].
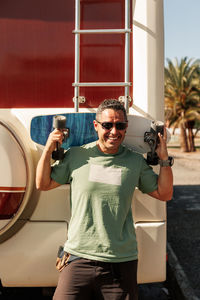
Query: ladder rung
[99, 31]
[93, 84]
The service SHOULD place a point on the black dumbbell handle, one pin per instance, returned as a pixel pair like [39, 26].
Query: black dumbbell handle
[59, 122]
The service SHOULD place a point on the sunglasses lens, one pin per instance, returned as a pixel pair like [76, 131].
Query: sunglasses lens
[120, 126]
[107, 125]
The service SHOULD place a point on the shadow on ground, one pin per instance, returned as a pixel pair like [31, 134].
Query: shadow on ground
[183, 231]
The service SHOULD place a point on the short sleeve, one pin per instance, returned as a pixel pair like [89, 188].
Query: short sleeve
[60, 172]
[148, 181]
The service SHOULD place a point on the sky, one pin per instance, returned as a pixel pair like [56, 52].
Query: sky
[182, 29]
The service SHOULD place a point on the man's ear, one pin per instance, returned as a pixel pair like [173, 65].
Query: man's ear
[126, 127]
[95, 124]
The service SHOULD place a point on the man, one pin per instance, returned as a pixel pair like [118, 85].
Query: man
[101, 236]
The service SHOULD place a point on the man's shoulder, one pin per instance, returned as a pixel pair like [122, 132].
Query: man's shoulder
[81, 148]
[132, 152]
[90, 145]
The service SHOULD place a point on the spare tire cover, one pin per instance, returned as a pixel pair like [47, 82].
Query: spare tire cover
[13, 176]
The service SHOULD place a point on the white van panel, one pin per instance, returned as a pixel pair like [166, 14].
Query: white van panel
[151, 239]
[53, 205]
[29, 257]
[147, 209]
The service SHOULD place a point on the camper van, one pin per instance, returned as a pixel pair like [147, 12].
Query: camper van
[60, 57]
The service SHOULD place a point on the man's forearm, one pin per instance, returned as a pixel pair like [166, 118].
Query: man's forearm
[165, 183]
[164, 191]
[43, 172]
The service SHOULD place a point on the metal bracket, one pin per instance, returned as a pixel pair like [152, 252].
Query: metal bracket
[126, 100]
[81, 99]
[123, 99]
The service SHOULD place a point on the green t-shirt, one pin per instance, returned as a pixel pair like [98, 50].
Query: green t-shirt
[102, 185]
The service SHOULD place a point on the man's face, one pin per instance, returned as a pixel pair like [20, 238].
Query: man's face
[110, 139]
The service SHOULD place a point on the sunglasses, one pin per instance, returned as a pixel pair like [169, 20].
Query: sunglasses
[109, 125]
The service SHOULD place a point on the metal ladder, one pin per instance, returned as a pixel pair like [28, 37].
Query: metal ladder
[77, 84]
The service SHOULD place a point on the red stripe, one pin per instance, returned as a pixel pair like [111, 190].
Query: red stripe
[11, 188]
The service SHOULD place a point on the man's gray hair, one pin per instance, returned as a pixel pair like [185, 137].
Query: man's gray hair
[110, 104]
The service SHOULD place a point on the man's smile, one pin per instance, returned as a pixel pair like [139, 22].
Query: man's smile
[113, 138]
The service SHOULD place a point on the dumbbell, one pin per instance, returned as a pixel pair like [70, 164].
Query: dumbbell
[59, 122]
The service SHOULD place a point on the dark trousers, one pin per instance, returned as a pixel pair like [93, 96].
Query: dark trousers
[85, 279]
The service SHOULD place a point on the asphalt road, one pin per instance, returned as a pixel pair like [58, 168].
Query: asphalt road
[186, 169]
[183, 228]
[156, 291]
[184, 231]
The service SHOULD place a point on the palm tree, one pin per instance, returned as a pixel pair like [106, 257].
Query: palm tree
[182, 99]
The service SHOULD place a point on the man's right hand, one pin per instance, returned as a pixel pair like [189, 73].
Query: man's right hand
[55, 136]
[43, 171]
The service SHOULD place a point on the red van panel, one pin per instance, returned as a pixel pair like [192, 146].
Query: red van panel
[37, 52]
